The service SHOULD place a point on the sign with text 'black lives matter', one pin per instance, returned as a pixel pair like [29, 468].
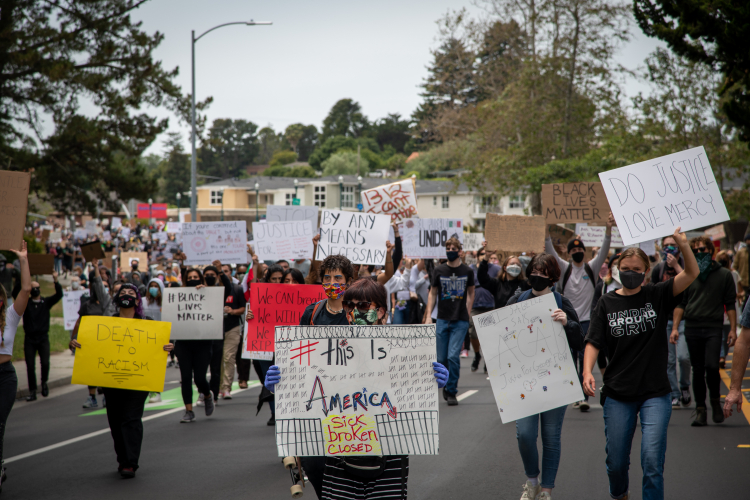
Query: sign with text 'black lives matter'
[195, 314]
[357, 236]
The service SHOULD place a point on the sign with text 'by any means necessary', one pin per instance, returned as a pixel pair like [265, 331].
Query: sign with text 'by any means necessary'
[121, 353]
[194, 314]
[205, 242]
[528, 359]
[574, 202]
[650, 199]
[356, 390]
[398, 199]
[357, 236]
[426, 238]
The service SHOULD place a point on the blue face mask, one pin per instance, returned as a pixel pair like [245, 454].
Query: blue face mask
[153, 291]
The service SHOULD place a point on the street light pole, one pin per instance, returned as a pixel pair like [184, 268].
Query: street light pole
[341, 192]
[179, 202]
[150, 213]
[257, 195]
[359, 188]
[296, 185]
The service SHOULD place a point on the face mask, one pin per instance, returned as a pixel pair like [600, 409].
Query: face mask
[451, 256]
[669, 249]
[631, 279]
[193, 282]
[704, 265]
[616, 274]
[234, 272]
[134, 265]
[334, 290]
[578, 257]
[35, 292]
[106, 289]
[153, 291]
[210, 280]
[125, 301]
[539, 283]
[75, 285]
[368, 318]
[513, 270]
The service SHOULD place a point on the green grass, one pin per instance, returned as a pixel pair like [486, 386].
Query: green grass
[58, 341]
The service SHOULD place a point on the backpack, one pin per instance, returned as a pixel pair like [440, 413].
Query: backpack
[569, 271]
[316, 312]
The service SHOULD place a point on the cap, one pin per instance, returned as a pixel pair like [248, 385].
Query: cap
[575, 243]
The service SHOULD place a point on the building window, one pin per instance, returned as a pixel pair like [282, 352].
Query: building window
[485, 204]
[434, 201]
[288, 199]
[446, 201]
[216, 197]
[347, 197]
[320, 196]
[518, 201]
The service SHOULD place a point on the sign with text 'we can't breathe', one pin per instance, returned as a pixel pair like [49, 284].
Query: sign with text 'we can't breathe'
[650, 199]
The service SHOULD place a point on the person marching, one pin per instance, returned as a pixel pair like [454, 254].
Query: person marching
[630, 323]
[151, 305]
[234, 308]
[214, 277]
[739, 364]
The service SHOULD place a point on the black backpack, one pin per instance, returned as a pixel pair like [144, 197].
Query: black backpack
[568, 272]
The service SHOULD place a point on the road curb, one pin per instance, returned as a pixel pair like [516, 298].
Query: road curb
[59, 382]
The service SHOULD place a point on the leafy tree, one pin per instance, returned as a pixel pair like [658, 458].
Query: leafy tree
[293, 134]
[307, 143]
[283, 158]
[268, 143]
[396, 162]
[344, 163]
[340, 143]
[299, 171]
[231, 145]
[174, 168]
[346, 119]
[392, 131]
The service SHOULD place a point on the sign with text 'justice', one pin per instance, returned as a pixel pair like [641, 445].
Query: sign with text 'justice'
[195, 313]
[121, 353]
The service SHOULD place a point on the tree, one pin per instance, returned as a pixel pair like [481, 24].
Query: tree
[54, 55]
[307, 143]
[392, 131]
[346, 119]
[344, 163]
[299, 171]
[268, 143]
[283, 158]
[231, 145]
[340, 143]
[174, 168]
[293, 134]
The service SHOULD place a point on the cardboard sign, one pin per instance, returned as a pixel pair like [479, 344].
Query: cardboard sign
[126, 259]
[288, 213]
[71, 304]
[15, 199]
[41, 263]
[515, 233]
[358, 236]
[283, 240]
[356, 390]
[528, 358]
[716, 233]
[121, 353]
[560, 236]
[473, 241]
[574, 202]
[55, 237]
[92, 251]
[275, 305]
[425, 238]
[650, 199]
[194, 314]
[593, 236]
[45, 234]
[398, 199]
[205, 242]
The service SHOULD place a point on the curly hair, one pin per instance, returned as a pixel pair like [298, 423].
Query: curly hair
[333, 262]
[138, 300]
[706, 241]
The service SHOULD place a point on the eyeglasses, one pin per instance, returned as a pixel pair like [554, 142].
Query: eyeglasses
[361, 306]
[700, 250]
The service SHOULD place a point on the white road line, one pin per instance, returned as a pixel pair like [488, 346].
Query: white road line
[459, 398]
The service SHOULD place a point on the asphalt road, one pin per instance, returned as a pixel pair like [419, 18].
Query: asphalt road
[232, 454]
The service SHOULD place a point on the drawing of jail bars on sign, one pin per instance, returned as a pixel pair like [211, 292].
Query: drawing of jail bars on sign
[410, 433]
[299, 437]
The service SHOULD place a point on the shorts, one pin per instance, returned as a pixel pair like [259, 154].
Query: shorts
[472, 330]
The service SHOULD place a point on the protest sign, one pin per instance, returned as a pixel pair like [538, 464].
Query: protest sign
[125, 233]
[650, 199]
[649, 247]
[41, 263]
[358, 236]
[593, 236]
[205, 242]
[45, 234]
[716, 233]
[92, 251]
[109, 259]
[161, 236]
[121, 353]
[80, 234]
[528, 358]
[116, 223]
[15, 199]
[174, 227]
[288, 213]
[275, 305]
[55, 237]
[71, 304]
[127, 258]
[91, 228]
[398, 199]
[425, 238]
[152, 211]
[574, 202]
[172, 247]
[356, 390]
[473, 241]
[283, 240]
[515, 233]
[194, 314]
[106, 236]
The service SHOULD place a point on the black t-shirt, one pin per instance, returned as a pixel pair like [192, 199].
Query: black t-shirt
[633, 329]
[324, 318]
[451, 284]
[235, 300]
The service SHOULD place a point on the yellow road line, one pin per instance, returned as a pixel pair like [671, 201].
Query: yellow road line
[743, 446]
[745, 404]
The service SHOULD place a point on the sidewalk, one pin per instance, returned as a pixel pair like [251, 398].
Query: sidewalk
[60, 373]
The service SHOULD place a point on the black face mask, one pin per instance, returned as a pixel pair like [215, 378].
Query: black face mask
[210, 280]
[36, 292]
[193, 282]
[134, 265]
[539, 283]
[578, 257]
[125, 301]
[631, 279]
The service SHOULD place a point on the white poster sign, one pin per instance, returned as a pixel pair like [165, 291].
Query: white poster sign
[593, 236]
[125, 232]
[205, 242]
[528, 359]
[194, 314]
[161, 237]
[71, 304]
[80, 234]
[174, 227]
[425, 238]
[358, 236]
[473, 241]
[116, 222]
[356, 390]
[283, 240]
[91, 228]
[106, 236]
[55, 237]
[287, 213]
[650, 199]
[398, 199]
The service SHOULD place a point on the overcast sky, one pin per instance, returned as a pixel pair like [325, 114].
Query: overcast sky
[314, 54]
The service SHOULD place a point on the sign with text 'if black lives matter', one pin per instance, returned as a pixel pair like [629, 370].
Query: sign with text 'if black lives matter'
[650, 199]
[357, 236]
[195, 314]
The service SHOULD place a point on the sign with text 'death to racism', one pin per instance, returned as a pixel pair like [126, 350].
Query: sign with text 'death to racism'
[205, 242]
[398, 199]
[283, 240]
[195, 314]
[275, 305]
[121, 353]
[426, 238]
[360, 237]
[356, 390]
[650, 199]
[528, 358]
[14, 202]
[574, 202]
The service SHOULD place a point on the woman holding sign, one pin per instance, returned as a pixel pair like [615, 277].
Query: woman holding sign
[630, 323]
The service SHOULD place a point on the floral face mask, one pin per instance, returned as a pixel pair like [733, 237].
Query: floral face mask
[367, 318]
[334, 290]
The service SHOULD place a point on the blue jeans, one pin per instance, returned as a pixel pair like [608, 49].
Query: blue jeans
[450, 336]
[401, 317]
[678, 353]
[579, 357]
[620, 419]
[527, 430]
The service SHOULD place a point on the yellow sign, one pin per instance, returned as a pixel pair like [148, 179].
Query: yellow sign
[122, 353]
[351, 435]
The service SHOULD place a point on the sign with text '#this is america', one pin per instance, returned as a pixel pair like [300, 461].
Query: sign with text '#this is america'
[287, 213]
[528, 359]
[275, 305]
[194, 314]
[121, 353]
[205, 242]
[650, 199]
[357, 236]
[283, 240]
[398, 199]
[356, 390]
[574, 202]
[425, 238]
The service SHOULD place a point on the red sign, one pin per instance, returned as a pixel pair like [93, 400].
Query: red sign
[158, 211]
[276, 305]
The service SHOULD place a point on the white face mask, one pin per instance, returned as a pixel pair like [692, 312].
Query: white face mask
[513, 270]
[616, 274]
[75, 285]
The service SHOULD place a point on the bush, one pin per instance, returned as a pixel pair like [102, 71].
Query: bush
[283, 158]
[344, 163]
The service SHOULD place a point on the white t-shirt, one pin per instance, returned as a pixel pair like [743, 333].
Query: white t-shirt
[9, 334]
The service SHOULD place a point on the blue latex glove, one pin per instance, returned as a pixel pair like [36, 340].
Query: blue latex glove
[441, 374]
[273, 377]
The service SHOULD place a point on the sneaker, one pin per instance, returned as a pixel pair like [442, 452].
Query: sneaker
[209, 402]
[155, 397]
[243, 384]
[701, 418]
[465, 353]
[228, 395]
[577, 404]
[452, 401]
[271, 421]
[91, 402]
[188, 417]
[530, 492]
[675, 403]
[221, 395]
[584, 406]
[127, 473]
[686, 399]
[475, 363]
[717, 412]
[170, 364]
[45, 390]
[545, 496]
[31, 396]
[201, 400]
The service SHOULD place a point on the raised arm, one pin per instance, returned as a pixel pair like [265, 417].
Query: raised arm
[54, 299]
[596, 263]
[550, 249]
[23, 296]
[384, 277]
[691, 271]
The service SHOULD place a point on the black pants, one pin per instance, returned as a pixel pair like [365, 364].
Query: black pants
[194, 357]
[261, 368]
[8, 388]
[704, 345]
[315, 468]
[124, 413]
[32, 346]
[243, 365]
[217, 357]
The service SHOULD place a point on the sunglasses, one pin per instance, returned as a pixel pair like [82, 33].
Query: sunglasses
[700, 250]
[361, 306]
